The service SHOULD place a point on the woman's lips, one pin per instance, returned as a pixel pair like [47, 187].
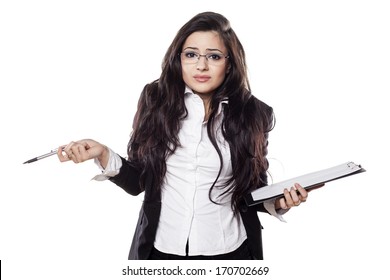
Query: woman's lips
[202, 78]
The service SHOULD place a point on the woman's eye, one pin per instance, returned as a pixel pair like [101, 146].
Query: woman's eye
[190, 54]
[214, 56]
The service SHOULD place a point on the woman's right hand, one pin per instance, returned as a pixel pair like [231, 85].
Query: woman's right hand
[84, 150]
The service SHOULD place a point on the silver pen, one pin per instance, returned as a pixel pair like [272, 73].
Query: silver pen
[52, 152]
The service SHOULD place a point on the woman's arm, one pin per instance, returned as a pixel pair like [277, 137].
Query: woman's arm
[128, 178]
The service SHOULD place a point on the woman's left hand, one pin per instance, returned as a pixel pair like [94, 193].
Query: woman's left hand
[293, 197]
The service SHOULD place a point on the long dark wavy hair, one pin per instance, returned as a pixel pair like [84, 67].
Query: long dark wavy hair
[245, 125]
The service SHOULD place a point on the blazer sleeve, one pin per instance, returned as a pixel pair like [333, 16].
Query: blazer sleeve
[128, 178]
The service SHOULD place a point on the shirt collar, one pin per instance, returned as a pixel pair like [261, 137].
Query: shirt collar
[224, 101]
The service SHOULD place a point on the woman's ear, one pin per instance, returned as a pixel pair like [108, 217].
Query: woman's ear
[228, 68]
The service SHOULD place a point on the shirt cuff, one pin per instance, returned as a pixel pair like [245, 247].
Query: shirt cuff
[269, 205]
[112, 169]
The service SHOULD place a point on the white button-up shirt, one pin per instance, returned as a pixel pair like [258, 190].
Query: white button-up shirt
[187, 212]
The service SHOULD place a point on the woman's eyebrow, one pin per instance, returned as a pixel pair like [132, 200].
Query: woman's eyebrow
[213, 50]
[208, 49]
[192, 48]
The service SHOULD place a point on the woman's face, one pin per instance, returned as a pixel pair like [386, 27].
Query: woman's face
[205, 73]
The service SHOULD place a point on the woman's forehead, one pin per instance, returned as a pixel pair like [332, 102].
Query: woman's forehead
[205, 40]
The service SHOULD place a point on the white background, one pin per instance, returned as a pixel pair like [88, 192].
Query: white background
[74, 69]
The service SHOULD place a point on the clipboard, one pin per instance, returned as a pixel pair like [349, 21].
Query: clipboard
[307, 181]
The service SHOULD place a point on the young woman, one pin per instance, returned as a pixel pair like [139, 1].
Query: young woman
[198, 147]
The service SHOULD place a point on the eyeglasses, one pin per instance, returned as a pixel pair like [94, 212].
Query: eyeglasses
[192, 57]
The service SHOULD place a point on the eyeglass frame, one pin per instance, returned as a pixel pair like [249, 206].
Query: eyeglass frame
[198, 55]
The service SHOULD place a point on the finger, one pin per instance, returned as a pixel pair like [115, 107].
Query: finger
[86, 145]
[294, 196]
[302, 193]
[81, 153]
[61, 156]
[68, 149]
[288, 199]
[282, 203]
[74, 152]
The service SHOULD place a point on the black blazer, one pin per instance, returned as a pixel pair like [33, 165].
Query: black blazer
[144, 236]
